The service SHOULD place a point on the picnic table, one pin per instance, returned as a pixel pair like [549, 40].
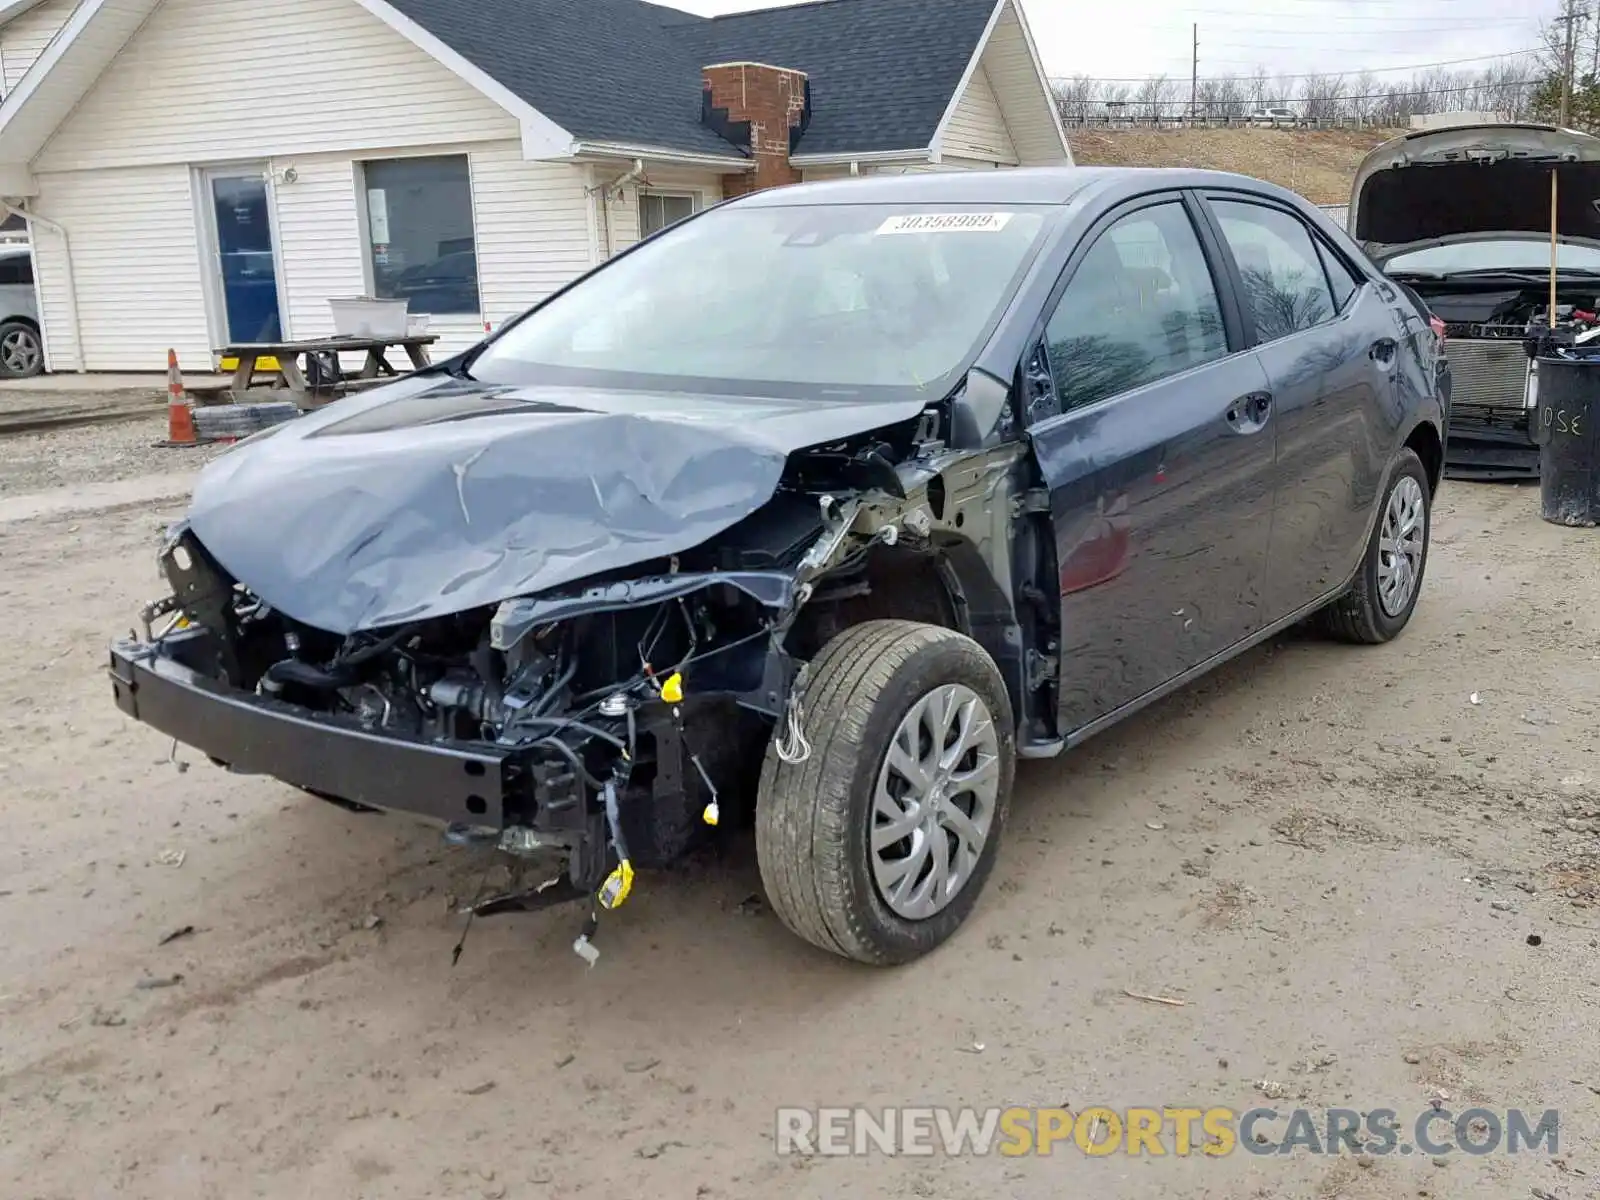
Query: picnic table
[309, 386]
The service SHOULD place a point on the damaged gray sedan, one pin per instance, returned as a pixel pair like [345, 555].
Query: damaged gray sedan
[818, 509]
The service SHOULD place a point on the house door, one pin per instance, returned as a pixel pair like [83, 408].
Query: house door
[245, 255]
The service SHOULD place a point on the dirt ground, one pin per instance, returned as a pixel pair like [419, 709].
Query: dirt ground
[1334, 856]
[1317, 163]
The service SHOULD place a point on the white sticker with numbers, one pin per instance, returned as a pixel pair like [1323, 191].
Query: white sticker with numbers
[967, 222]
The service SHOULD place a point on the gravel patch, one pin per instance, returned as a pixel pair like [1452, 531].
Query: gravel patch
[34, 462]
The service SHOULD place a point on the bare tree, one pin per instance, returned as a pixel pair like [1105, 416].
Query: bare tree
[1076, 98]
[1222, 99]
[1363, 97]
[1153, 97]
[1513, 87]
[1323, 96]
[1257, 88]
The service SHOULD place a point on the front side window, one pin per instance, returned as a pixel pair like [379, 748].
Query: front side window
[657, 210]
[1141, 306]
[833, 299]
[420, 242]
[1284, 283]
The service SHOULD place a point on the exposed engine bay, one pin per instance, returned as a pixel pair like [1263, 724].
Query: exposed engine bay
[1506, 313]
[1463, 215]
[1492, 335]
[608, 725]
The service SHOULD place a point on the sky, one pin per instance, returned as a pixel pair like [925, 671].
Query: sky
[1288, 37]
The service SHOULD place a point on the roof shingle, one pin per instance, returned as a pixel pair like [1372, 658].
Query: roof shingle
[882, 71]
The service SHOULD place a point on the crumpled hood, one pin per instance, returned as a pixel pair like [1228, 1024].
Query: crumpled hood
[1436, 186]
[437, 495]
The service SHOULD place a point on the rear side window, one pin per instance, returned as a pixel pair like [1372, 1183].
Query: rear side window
[1285, 285]
[1141, 306]
[16, 268]
[1339, 277]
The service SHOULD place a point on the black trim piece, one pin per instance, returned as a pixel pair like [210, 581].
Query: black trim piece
[445, 782]
[1224, 278]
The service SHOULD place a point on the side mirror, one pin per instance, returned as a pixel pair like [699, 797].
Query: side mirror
[981, 414]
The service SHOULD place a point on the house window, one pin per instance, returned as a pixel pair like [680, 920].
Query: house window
[657, 210]
[419, 233]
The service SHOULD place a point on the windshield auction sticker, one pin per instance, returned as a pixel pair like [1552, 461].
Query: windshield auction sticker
[968, 222]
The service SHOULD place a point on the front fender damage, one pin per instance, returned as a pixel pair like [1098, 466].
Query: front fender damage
[632, 709]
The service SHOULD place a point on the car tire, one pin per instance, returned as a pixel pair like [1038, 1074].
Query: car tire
[879, 687]
[1372, 611]
[21, 351]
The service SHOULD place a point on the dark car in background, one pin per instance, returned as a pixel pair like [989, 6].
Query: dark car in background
[830, 502]
[1462, 217]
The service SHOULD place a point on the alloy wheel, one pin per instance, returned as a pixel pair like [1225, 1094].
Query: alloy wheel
[1401, 544]
[20, 352]
[934, 802]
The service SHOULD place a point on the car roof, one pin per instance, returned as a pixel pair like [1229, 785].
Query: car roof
[1020, 185]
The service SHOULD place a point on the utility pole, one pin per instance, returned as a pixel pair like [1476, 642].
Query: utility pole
[1569, 20]
[1194, 78]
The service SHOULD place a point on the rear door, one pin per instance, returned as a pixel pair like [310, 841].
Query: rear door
[1330, 345]
[1153, 428]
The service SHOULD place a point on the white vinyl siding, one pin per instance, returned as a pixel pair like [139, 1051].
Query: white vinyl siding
[136, 266]
[948, 163]
[319, 242]
[532, 233]
[533, 228]
[977, 129]
[23, 39]
[325, 87]
[624, 208]
[219, 80]
[1023, 96]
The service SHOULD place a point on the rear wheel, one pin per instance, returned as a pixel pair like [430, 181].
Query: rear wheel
[1380, 603]
[876, 846]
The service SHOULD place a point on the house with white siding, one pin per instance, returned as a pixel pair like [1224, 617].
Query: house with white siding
[199, 172]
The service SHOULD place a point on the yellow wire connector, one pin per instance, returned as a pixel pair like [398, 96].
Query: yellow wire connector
[672, 688]
[614, 891]
[711, 814]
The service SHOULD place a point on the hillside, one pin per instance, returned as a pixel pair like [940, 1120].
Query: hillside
[1317, 163]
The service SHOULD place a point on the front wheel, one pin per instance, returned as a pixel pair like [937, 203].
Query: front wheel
[1380, 602]
[21, 351]
[876, 845]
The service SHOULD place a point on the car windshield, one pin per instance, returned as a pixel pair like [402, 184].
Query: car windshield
[1500, 254]
[851, 298]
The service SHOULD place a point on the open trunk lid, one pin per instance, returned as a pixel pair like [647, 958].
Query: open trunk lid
[1475, 182]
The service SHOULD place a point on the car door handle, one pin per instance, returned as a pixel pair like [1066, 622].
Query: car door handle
[1249, 413]
[1383, 351]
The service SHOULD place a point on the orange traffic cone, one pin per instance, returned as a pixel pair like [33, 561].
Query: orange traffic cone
[180, 416]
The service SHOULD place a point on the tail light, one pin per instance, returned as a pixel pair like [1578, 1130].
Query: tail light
[1438, 328]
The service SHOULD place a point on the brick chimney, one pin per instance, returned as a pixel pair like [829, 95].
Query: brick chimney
[761, 109]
